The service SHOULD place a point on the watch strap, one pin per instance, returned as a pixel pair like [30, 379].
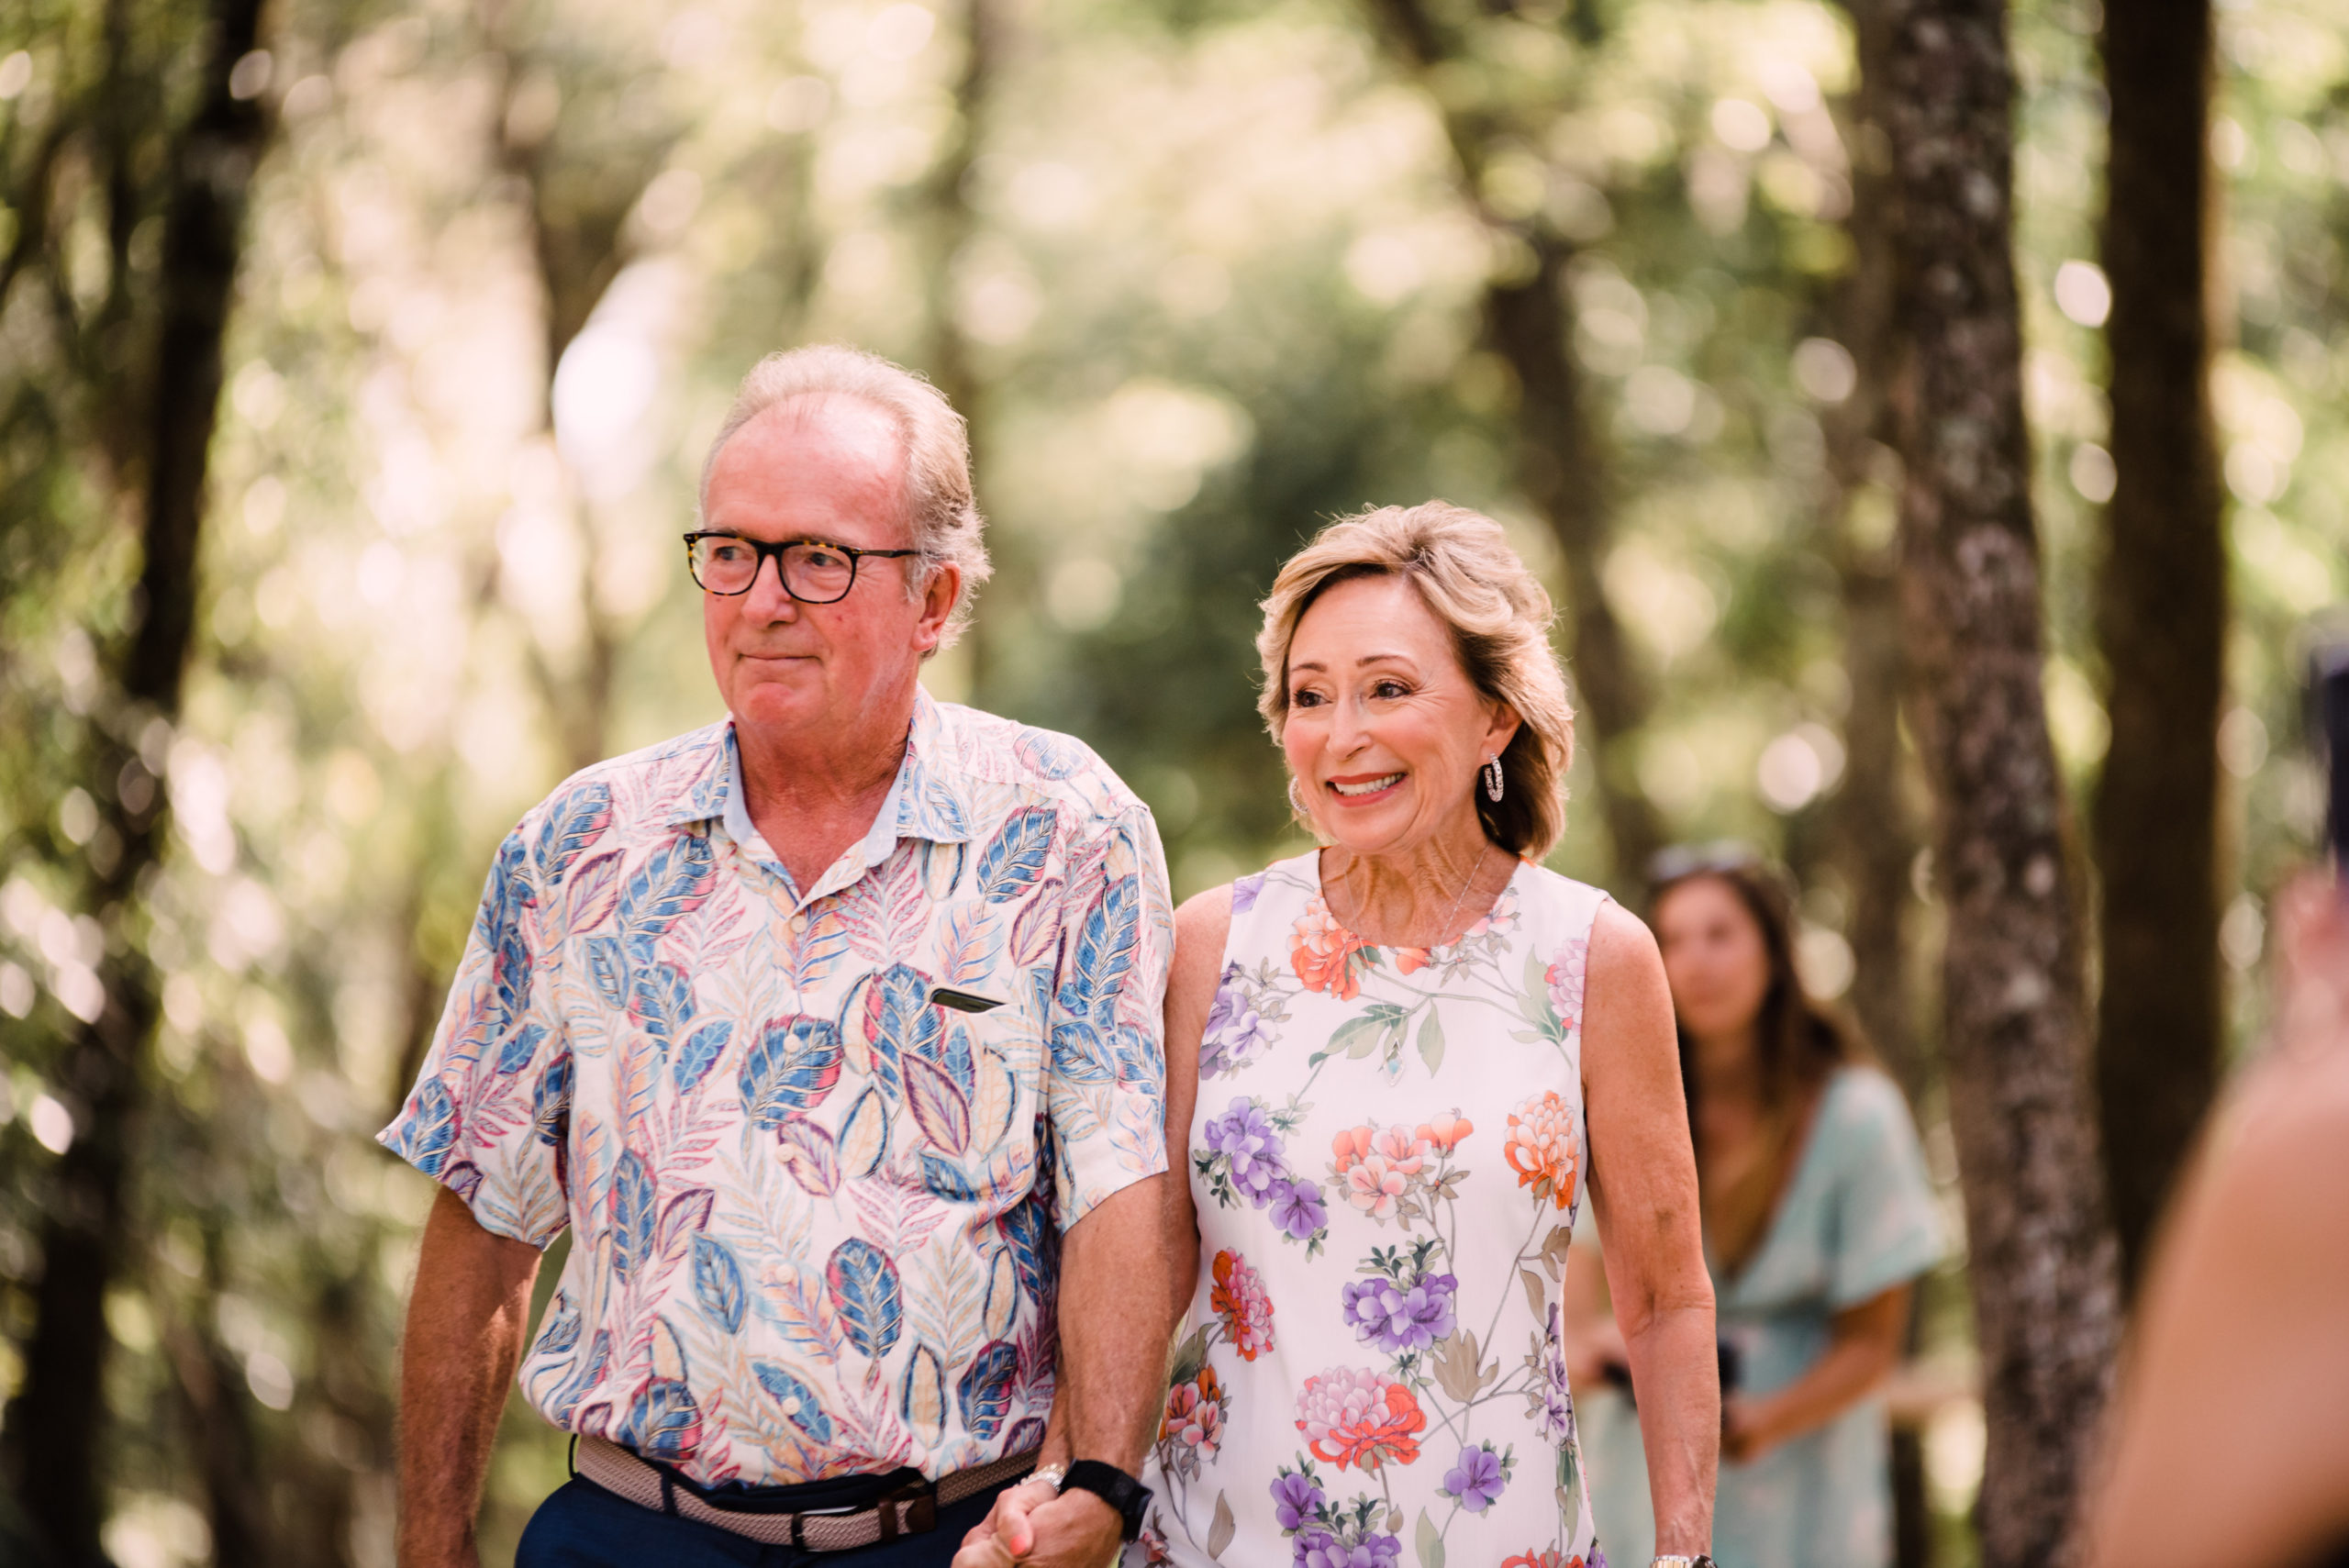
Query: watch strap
[1128, 1497]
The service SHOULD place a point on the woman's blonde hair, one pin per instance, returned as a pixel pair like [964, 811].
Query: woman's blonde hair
[1499, 616]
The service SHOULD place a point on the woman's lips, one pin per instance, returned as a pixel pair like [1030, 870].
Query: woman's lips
[1363, 789]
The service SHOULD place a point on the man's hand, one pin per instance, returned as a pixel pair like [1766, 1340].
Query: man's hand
[1035, 1527]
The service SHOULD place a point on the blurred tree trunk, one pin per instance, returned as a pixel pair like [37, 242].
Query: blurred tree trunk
[60, 1417]
[1874, 839]
[2163, 619]
[218, 1423]
[950, 223]
[1529, 321]
[2039, 1252]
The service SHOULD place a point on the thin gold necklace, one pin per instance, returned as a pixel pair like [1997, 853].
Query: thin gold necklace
[1458, 898]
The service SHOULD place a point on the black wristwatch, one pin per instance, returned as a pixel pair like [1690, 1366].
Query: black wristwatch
[1113, 1486]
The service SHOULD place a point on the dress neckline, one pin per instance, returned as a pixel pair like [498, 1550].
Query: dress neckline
[1322, 892]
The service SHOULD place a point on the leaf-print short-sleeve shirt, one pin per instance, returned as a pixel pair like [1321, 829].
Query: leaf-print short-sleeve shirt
[1387, 1158]
[815, 1147]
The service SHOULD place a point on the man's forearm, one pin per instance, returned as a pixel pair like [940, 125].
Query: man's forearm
[1673, 1366]
[1116, 1313]
[465, 1323]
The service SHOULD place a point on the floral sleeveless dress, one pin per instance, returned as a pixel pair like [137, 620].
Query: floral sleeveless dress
[1387, 1159]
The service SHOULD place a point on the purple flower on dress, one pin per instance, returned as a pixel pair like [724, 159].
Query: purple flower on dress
[1548, 1400]
[1298, 1210]
[1400, 1318]
[1244, 891]
[1597, 1559]
[1318, 1548]
[1245, 1139]
[1477, 1480]
[1297, 1501]
[1234, 1030]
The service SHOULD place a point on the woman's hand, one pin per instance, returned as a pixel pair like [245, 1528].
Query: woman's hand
[1748, 1428]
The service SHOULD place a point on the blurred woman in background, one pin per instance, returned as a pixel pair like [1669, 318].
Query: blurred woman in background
[1817, 1218]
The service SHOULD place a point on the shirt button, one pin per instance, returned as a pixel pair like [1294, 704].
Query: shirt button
[798, 925]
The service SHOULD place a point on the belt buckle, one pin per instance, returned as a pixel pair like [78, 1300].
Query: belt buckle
[920, 1519]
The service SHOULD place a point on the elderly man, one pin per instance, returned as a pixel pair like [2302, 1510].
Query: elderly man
[833, 1031]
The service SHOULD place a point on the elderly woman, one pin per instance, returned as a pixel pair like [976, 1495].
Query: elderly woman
[1412, 1053]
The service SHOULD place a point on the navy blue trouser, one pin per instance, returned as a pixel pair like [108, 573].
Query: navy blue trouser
[582, 1526]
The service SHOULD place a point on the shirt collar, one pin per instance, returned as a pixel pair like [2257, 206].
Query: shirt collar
[929, 799]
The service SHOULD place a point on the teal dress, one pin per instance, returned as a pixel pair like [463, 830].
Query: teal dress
[1857, 1220]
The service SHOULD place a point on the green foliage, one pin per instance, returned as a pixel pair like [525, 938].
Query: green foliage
[1213, 282]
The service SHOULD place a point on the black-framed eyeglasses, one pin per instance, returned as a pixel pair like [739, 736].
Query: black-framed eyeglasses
[814, 571]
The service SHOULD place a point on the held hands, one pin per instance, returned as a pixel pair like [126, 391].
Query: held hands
[1036, 1526]
[1748, 1431]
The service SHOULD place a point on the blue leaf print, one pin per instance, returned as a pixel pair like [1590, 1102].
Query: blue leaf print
[985, 1391]
[793, 1065]
[523, 1044]
[1034, 1246]
[663, 1423]
[561, 1331]
[660, 1000]
[572, 823]
[863, 1286]
[1054, 756]
[1027, 1433]
[1014, 858]
[795, 1399]
[632, 1214]
[718, 1283]
[589, 1374]
[700, 1053]
[510, 971]
[1078, 1055]
[945, 1179]
[432, 1131]
[1140, 1058]
[551, 1101]
[672, 882]
[1105, 951]
[607, 968]
[899, 1018]
[865, 1134]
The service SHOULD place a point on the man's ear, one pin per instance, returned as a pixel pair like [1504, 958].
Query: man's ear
[937, 604]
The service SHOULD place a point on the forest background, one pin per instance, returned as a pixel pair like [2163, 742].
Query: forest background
[357, 360]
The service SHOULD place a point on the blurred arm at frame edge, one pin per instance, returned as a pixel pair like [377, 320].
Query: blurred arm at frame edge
[466, 1319]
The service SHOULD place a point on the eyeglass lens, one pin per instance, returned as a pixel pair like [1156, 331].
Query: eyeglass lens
[815, 572]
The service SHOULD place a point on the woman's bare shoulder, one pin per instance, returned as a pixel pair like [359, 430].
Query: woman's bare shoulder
[1621, 947]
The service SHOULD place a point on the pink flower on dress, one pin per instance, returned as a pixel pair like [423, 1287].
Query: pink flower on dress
[1353, 1416]
[1541, 1148]
[1404, 1151]
[1325, 954]
[1348, 1148]
[1565, 978]
[1192, 1429]
[1242, 1306]
[1446, 1130]
[1374, 1186]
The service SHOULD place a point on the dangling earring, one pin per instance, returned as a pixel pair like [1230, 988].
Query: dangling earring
[1492, 780]
[1295, 804]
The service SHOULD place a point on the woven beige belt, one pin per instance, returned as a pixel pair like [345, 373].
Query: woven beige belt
[911, 1509]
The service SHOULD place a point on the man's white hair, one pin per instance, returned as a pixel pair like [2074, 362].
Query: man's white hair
[936, 482]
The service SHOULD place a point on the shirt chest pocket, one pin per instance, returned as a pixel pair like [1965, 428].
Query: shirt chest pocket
[957, 1075]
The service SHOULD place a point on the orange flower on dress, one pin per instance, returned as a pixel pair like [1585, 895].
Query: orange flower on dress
[1541, 1148]
[1411, 960]
[1327, 956]
[1354, 1415]
[1446, 1130]
[1349, 1147]
[1239, 1303]
[1538, 1557]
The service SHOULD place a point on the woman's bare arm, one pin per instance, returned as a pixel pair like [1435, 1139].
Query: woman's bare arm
[1201, 926]
[1863, 1348]
[1643, 1193]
